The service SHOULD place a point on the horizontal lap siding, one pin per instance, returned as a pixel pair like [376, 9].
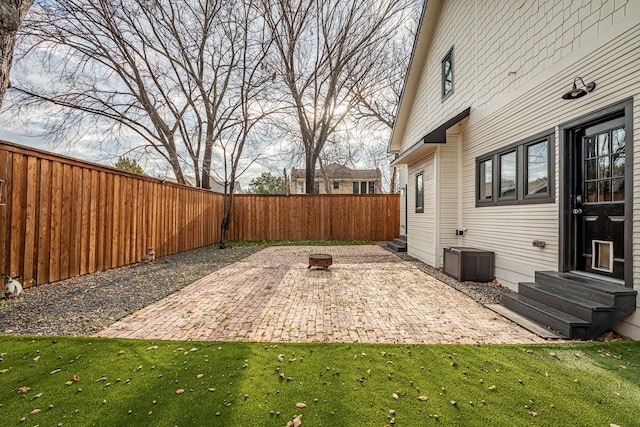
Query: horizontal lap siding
[422, 232]
[510, 230]
[60, 218]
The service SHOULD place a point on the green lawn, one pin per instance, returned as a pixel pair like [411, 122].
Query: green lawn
[92, 382]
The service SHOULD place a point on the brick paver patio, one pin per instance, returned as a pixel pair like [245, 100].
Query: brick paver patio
[368, 295]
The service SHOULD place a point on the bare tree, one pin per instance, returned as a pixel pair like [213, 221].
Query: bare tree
[168, 72]
[12, 13]
[252, 88]
[378, 93]
[321, 48]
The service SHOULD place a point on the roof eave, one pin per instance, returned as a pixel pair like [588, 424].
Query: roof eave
[426, 27]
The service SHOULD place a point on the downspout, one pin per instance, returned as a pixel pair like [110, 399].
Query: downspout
[460, 198]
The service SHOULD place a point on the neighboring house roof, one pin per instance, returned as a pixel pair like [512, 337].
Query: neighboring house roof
[336, 171]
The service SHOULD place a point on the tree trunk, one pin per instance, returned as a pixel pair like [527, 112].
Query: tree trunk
[392, 185]
[12, 14]
[226, 215]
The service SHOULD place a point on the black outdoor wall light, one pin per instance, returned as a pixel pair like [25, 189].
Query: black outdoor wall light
[576, 92]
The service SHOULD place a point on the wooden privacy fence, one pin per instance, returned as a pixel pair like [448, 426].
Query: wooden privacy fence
[316, 217]
[61, 217]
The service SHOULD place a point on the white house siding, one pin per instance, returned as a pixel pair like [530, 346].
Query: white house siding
[447, 197]
[421, 226]
[512, 63]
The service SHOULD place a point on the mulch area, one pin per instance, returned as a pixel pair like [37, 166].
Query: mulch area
[87, 304]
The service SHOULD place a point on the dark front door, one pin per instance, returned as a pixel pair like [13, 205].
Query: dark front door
[599, 205]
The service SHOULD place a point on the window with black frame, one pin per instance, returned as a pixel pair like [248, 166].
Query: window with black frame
[519, 173]
[419, 192]
[447, 74]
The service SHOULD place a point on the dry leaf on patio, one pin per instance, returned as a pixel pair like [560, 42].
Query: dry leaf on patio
[180, 391]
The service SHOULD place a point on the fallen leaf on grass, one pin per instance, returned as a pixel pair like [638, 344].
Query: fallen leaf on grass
[35, 411]
[35, 359]
[423, 398]
[153, 347]
[300, 405]
[180, 391]
[533, 413]
[76, 378]
[199, 376]
[3, 371]
[281, 357]
[36, 396]
[55, 371]
[24, 389]
[395, 396]
[492, 387]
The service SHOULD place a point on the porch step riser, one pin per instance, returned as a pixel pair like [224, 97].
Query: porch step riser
[399, 244]
[575, 305]
[542, 317]
[577, 288]
[562, 303]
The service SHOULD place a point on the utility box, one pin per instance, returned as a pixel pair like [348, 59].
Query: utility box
[469, 264]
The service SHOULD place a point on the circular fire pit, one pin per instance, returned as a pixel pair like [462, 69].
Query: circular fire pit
[320, 261]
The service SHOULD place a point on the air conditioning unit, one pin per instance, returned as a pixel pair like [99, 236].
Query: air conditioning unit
[469, 264]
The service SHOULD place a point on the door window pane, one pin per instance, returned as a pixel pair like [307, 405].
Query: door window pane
[508, 175]
[592, 191]
[591, 169]
[363, 188]
[591, 148]
[603, 144]
[538, 168]
[604, 193]
[617, 186]
[617, 141]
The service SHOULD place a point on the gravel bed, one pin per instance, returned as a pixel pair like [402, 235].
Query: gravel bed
[87, 304]
[484, 293]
